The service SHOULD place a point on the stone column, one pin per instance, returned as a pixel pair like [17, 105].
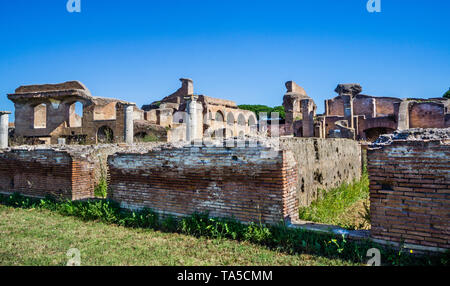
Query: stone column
[129, 124]
[4, 121]
[192, 118]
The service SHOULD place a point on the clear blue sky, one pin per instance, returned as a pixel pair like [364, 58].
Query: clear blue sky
[240, 50]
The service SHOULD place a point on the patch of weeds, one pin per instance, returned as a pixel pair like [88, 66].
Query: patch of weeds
[332, 204]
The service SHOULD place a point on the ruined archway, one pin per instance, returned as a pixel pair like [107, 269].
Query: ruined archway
[372, 134]
[76, 110]
[230, 118]
[219, 116]
[105, 135]
[241, 120]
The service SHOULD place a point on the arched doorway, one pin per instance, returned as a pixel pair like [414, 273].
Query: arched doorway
[105, 135]
[372, 134]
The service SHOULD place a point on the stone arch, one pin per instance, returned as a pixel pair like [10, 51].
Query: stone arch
[251, 120]
[241, 120]
[241, 134]
[219, 116]
[105, 135]
[229, 133]
[373, 133]
[76, 110]
[230, 118]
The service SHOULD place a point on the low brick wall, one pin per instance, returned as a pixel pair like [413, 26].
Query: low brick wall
[252, 184]
[69, 172]
[410, 192]
[323, 164]
[39, 173]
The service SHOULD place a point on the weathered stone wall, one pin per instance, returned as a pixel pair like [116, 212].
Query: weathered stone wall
[410, 190]
[323, 164]
[251, 184]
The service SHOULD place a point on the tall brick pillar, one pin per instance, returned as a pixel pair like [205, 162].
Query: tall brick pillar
[4, 121]
[308, 113]
[129, 124]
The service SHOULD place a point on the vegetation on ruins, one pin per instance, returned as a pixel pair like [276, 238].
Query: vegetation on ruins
[101, 190]
[257, 109]
[334, 206]
[447, 94]
[275, 237]
[145, 138]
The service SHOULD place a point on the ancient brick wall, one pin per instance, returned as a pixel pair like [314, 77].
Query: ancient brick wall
[364, 105]
[39, 173]
[410, 192]
[385, 105]
[426, 115]
[70, 172]
[323, 164]
[252, 184]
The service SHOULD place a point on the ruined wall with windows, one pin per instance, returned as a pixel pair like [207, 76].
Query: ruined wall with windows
[216, 118]
[357, 116]
[46, 113]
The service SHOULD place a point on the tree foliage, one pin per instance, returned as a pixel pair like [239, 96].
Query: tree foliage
[447, 94]
[263, 108]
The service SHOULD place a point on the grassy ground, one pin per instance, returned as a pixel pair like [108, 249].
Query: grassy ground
[345, 206]
[42, 237]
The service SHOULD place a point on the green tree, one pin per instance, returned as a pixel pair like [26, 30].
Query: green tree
[447, 94]
[257, 109]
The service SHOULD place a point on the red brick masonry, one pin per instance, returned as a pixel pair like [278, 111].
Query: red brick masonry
[250, 184]
[410, 192]
[39, 173]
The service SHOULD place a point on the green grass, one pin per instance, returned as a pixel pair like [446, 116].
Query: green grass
[333, 205]
[53, 223]
[34, 237]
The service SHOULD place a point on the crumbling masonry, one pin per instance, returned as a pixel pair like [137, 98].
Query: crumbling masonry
[357, 116]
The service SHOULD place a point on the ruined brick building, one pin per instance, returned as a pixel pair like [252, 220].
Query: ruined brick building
[46, 113]
[357, 116]
[206, 116]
